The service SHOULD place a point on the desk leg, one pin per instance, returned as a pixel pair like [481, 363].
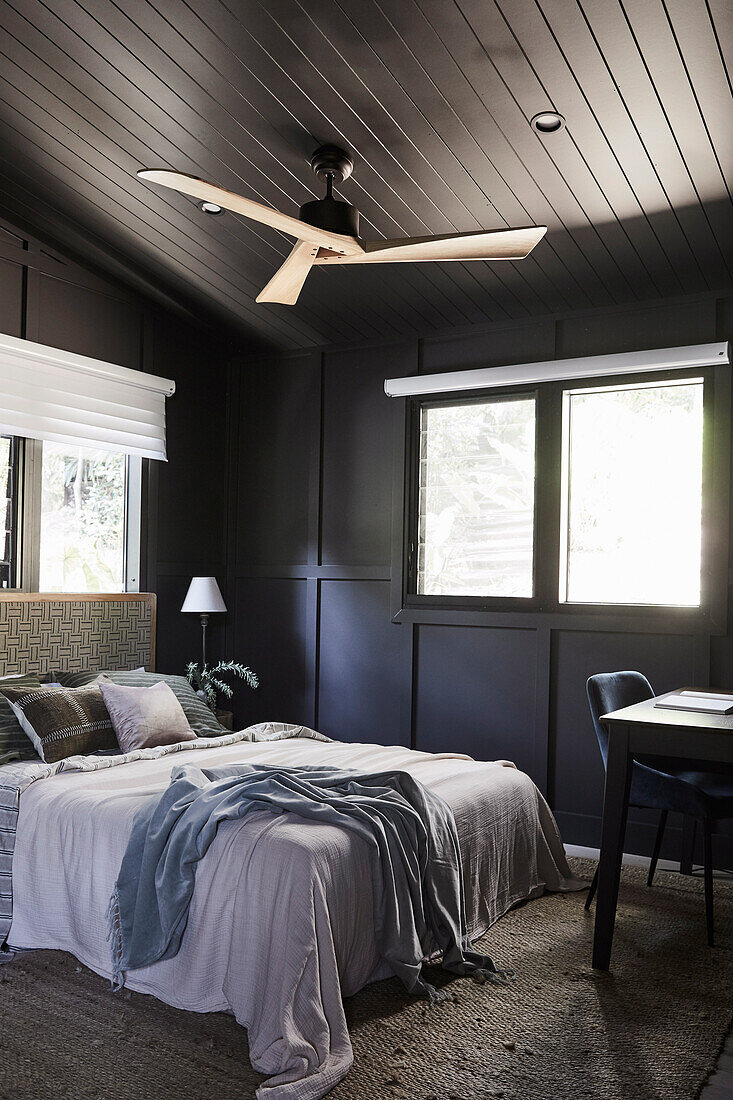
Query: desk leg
[615, 809]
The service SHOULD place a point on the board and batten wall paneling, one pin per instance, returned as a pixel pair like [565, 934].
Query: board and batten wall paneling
[356, 477]
[192, 498]
[475, 692]
[636, 329]
[76, 318]
[278, 426]
[364, 669]
[529, 342]
[332, 654]
[11, 298]
[271, 636]
[721, 649]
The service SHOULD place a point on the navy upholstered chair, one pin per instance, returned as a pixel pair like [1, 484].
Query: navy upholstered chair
[705, 796]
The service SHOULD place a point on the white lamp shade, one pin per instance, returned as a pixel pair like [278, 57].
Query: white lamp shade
[203, 596]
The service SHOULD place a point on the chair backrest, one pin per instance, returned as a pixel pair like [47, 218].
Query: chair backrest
[611, 691]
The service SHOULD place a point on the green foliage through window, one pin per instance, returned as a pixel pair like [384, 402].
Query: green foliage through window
[476, 508]
[82, 520]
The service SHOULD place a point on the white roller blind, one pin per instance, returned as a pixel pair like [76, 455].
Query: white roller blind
[50, 394]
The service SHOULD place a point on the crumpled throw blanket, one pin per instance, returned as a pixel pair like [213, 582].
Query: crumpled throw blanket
[411, 833]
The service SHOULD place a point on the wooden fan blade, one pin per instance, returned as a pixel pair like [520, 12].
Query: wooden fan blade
[285, 285]
[499, 244]
[248, 208]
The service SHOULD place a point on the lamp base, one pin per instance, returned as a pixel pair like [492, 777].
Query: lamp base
[204, 623]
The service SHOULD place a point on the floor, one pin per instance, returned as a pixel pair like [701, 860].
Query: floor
[720, 1085]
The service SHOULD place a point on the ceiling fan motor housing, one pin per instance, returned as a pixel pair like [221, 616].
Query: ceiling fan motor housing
[331, 214]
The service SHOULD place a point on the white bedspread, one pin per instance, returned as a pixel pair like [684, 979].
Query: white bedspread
[280, 926]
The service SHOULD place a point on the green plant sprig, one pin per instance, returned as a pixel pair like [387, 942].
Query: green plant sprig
[208, 680]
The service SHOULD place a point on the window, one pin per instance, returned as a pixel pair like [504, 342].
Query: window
[567, 498]
[476, 489]
[82, 544]
[74, 519]
[632, 494]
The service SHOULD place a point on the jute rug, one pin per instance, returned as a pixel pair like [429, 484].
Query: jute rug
[650, 1030]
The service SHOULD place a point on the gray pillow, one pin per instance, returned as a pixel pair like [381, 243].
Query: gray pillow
[200, 718]
[14, 743]
[143, 717]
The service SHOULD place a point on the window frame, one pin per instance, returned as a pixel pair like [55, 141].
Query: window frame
[526, 603]
[27, 520]
[709, 617]
[15, 464]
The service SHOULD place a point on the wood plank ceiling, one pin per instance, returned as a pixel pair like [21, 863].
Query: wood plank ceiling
[433, 97]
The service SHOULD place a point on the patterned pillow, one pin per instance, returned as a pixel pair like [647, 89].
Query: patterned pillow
[14, 743]
[200, 718]
[62, 721]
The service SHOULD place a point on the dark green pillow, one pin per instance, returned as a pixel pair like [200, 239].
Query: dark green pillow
[14, 742]
[200, 719]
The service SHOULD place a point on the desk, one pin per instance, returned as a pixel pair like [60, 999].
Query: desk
[640, 730]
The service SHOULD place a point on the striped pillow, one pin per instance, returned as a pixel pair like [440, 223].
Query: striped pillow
[200, 718]
[14, 743]
[62, 721]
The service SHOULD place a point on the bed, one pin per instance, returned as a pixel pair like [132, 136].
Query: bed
[280, 926]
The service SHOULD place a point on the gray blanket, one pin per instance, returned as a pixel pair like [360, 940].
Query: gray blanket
[410, 831]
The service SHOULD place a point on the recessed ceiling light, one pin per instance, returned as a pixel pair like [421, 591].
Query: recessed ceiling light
[210, 208]
[547, 122]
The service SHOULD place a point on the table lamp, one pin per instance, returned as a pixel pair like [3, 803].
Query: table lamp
[203, 598]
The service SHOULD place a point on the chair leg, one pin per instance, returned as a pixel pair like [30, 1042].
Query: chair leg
[689, 834]
[592, 890]
[708, 870]
[657, 846]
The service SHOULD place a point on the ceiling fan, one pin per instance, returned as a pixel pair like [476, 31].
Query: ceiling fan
[327, 231]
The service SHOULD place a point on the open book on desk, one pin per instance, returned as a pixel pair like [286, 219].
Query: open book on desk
[701, 702]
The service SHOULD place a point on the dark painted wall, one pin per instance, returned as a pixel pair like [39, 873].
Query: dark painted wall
[315, 446]
[45, 296]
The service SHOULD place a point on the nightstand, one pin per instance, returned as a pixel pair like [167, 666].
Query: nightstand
[225, 718]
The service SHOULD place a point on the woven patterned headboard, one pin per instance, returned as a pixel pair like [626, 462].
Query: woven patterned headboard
[41, 632]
